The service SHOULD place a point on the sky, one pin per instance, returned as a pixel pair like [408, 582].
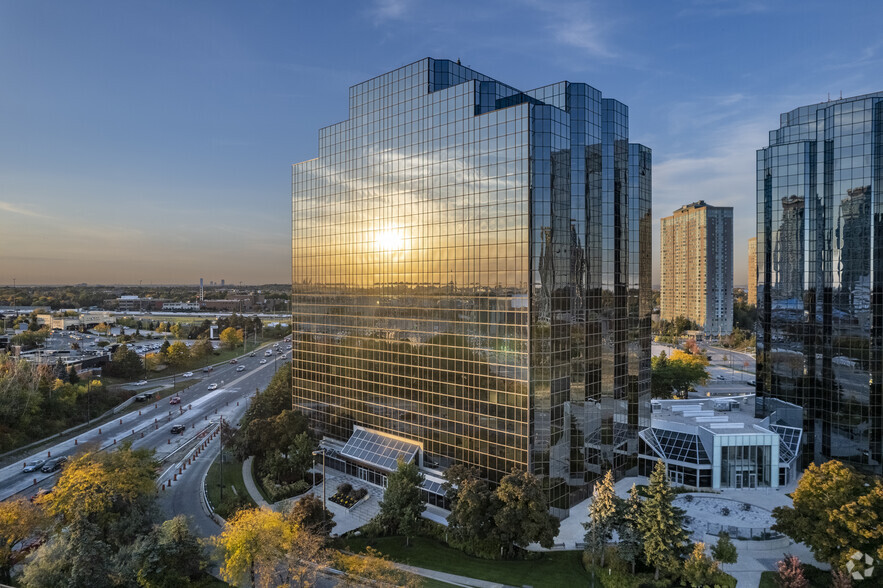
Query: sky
[151, 142]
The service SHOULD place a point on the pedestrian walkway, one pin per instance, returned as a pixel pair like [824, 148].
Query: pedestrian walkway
[252, 488]
[452, 578]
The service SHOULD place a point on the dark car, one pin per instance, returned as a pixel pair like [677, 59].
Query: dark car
[177, 429]
[52, 464]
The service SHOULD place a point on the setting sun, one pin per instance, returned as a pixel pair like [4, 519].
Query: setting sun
[390, 240]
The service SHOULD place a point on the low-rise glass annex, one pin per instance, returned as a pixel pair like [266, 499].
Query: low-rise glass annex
[471, 271]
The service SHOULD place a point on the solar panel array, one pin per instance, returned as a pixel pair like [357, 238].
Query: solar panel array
[377, 450]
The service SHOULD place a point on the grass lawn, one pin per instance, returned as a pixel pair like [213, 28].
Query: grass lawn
[558, 568]
[232, 478]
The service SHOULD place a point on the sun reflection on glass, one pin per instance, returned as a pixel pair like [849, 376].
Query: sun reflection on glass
[390, 240]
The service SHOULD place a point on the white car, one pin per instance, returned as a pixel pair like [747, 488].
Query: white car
[263, 361]
[187, 374]
[212, 386]
[240, 368]
[141, 383]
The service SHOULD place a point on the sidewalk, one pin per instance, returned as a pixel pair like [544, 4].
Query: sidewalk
[452, 578]
[252, 488]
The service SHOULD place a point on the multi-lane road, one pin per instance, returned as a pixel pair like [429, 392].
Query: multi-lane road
[149, 425]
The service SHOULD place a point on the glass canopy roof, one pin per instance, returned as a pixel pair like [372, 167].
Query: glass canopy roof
[380, 451]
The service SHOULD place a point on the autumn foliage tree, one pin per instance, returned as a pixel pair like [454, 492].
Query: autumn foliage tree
[836, 511]
[676, 373]
[231, 337]
[261, 547]
[20, 519]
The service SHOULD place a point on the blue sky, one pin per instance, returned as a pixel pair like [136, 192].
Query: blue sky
[152, 141]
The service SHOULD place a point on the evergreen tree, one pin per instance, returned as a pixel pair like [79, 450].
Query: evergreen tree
[661, 524]
[699, 569]
[631, 545]
[604, 511]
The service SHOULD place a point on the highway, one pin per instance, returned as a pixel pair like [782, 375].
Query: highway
[149, 424]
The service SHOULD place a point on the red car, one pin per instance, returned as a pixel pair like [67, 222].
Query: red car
[175, 400]
[233, 361]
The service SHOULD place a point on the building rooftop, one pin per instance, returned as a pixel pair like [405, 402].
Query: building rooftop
[723, 415]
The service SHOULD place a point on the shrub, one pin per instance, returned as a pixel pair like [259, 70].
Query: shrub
[688, 498]
[745, 507]
[359, 494]
[725, 511]
[345, 488]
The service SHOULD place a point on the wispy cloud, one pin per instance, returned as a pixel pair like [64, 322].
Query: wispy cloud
[719, 8]
[386, 10]
[15, 209]
[582, 25]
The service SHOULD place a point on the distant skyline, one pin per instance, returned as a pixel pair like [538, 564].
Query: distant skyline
[153, 142]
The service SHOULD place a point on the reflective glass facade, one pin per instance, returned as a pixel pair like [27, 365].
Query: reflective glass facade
[471, 270]
[820, 278]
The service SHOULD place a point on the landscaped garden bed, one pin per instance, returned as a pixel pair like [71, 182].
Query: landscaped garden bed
[347, 496]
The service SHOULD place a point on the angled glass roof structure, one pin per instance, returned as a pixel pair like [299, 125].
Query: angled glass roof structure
[378, 450]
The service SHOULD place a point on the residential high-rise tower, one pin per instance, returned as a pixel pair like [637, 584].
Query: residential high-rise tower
[471, 278]
[697, 266]
[820, 276]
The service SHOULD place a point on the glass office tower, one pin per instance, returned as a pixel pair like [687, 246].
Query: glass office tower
[820, 276]
[471, 270]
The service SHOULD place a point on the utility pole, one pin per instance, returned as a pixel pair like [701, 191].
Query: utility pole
[221, 457]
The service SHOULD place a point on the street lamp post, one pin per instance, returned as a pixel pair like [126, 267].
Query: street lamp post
[324, 484]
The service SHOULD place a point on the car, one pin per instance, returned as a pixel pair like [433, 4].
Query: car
[187, 374]
[33, 466]
[207, 369]
[263, 361]
[268, 352]
[175, 400]
[177, 429]
[140, 382]
[212, 386]
[252, 354]
[240, 368]
[142, 398]
[751, 383]
[52, 464]
[233, 361]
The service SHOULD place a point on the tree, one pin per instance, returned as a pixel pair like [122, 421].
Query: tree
[310, 513]
[77, 557]
[678, 373]
[791, 573]
[402, 502]
[20, 519]
[164, 348]
[471, 525]
[631, 544]
[125, 363]
[661, 524]
[178, 354]
[252, 544]
[169, 556]
[177, 331]
[372, 568]
[113, 491]
[201, 348]
[826, 500]
[300, 455]
[523, 513]
[699, 569]
[604, 510]
[231, 338]
[724, 551]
